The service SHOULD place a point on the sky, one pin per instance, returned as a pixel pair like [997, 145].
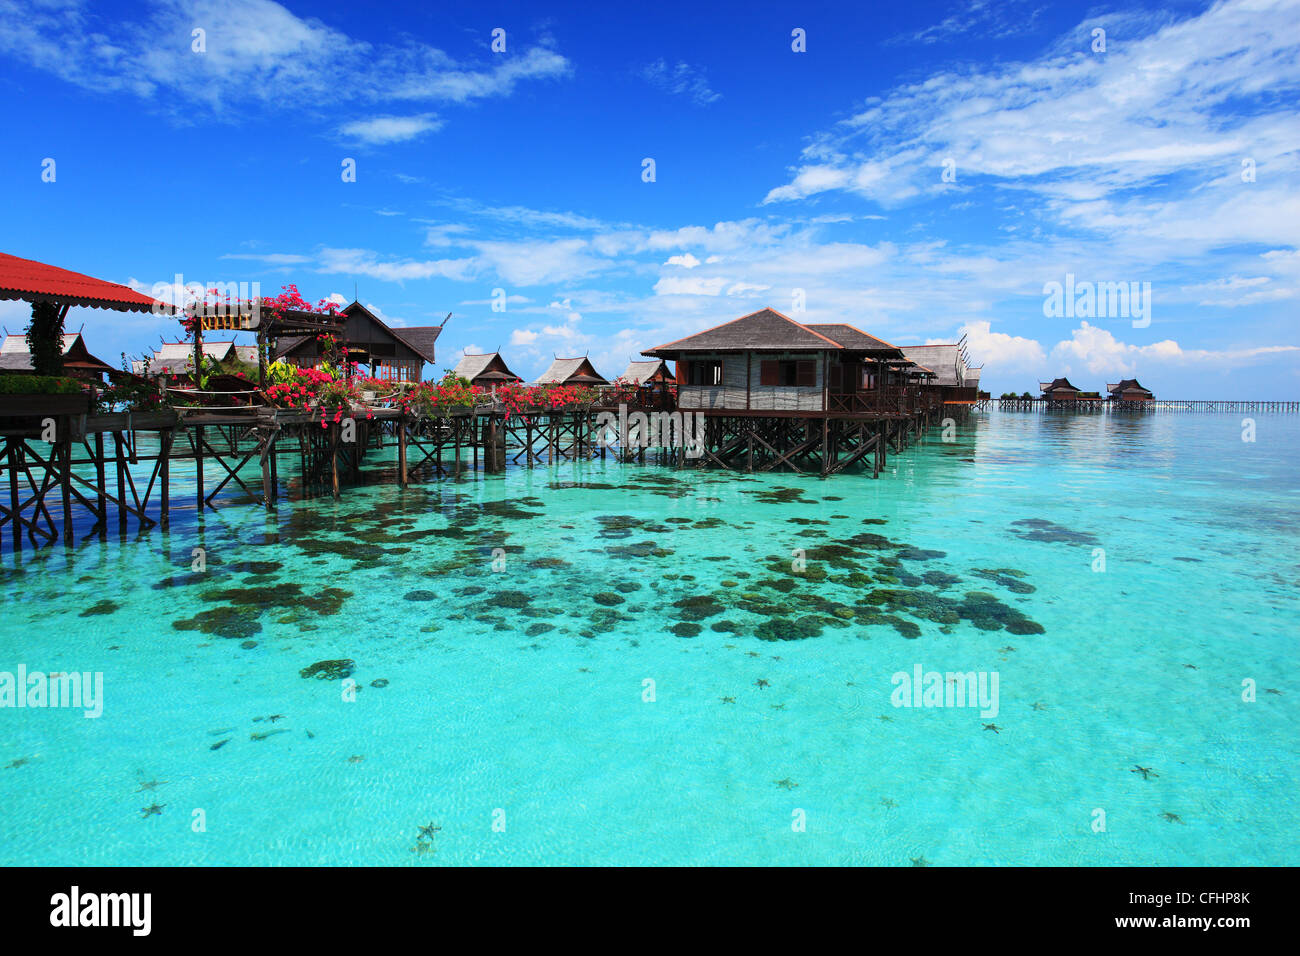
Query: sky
[565, 179]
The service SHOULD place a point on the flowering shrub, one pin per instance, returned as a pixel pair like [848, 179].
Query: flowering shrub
[317, 391]
[438, 399]
[520, 399]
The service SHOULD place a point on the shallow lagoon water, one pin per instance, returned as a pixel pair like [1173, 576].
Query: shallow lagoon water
[515, 693]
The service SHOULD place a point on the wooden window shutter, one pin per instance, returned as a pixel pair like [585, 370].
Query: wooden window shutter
[683, 372]
[769, 373]
[807, 374]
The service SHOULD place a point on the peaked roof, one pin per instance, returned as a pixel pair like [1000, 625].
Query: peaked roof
[421, 338]
[1128, 384]
[15, 357]
[472, 366]
[852, 337]
[1058, 383]
[35, 281]
[764, 330]
[418, 347]
[564, 370]
[638, 372]
[14, 344]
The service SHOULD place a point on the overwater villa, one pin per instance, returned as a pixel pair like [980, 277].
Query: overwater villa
[1129, 390]
[768, 362]
[571, 371]
[1059, 390]
[485, 371]
[392, 354]
[15, 358]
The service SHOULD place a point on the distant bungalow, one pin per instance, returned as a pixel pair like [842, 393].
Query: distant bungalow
[649, 372]
[177, 358]
[392, 354]
[77, 360]
[571, 371]
[1059, 390]
[1129, 390]
[485, 371]
[766, 361]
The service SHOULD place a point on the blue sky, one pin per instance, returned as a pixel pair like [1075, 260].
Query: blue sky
[775, 171]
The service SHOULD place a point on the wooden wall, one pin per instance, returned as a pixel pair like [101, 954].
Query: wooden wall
[737, 370]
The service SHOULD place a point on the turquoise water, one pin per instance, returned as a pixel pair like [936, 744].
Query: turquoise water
[517, 695]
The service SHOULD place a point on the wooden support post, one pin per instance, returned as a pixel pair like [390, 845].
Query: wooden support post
[119, 460]
[12, 447]
[164, 500]
[65, 475]
[101, 492]
[401, 451]
[334, 458]
[198, 464]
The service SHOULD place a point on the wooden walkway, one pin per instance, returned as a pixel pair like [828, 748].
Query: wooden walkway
[121, 467]
[1156, 405]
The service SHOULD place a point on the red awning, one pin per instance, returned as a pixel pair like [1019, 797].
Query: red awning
[35, 281]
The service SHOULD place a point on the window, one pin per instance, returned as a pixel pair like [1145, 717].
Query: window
[706, 372]
[801, 373]
[391, 372]
[868, 379]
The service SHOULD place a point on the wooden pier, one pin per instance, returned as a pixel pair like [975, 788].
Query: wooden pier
[1153, 405]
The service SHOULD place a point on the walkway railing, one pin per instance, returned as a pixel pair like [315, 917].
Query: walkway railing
[1153, 405]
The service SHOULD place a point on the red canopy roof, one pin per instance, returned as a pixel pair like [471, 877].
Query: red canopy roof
[37, 282]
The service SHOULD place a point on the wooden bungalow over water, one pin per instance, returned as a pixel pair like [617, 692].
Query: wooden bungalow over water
[571, 371]
[767, 362]
[1059, 390]
[776, 393]
[1128, 390]
[388, 353]
[77, 360]
[485, 371]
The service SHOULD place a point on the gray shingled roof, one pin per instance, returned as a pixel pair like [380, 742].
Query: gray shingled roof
[562, 370]
[854, 338]
[472, 366]
[420, 337]
[944, 360]
[763, 331]
[639, 372]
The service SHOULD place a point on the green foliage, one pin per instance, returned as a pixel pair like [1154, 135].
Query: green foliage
[38, 385]
[45, 339]
[280, 373]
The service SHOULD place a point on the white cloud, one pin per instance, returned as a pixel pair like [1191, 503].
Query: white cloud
[1097, 351]
[367, 263]
[680, 79]
[391, 129]
[690, 285]
[271, 258]
[1006, 351]
[686, 261]
[256, 50]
